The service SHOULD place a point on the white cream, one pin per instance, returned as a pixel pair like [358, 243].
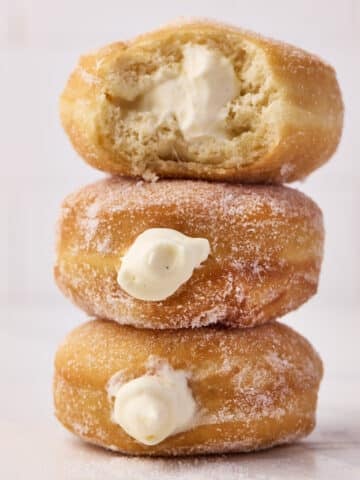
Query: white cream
[198, 96]
[153, 407]
[159, 261]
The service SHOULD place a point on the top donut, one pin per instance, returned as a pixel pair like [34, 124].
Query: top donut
[204, 101]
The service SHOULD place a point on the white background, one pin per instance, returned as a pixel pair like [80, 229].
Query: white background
[40, 42]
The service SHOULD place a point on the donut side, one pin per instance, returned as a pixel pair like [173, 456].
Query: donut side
[284, 121]
[266, 250]
[253, 388]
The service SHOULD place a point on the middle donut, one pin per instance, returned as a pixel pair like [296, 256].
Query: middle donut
[181, 253]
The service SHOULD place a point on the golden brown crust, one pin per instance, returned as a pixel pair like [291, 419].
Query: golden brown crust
[308, 114]
[254, 388]
[266, 250]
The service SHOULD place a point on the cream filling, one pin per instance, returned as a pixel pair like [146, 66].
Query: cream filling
[159, 261]
[197, 97]
[153, 407]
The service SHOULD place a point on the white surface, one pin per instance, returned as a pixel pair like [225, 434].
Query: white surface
[34, 446]
[39, 44]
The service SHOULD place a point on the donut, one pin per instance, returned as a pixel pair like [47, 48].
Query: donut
[220, 390]
[184, 253]
[201, 100]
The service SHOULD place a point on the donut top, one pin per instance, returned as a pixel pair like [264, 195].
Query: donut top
[218, 203]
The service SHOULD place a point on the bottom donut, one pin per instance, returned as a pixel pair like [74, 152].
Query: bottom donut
[184, 392]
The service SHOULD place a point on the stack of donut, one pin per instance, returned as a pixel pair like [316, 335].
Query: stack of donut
[188, 254]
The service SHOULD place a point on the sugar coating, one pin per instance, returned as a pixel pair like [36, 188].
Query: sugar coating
[266, 250]
[250, 378]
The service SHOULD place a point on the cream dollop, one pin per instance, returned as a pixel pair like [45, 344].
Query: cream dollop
[153, 407]
[159, 261]
[198, 96]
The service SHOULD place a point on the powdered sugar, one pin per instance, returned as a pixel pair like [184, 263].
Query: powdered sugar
[256, 234]
[243, 378]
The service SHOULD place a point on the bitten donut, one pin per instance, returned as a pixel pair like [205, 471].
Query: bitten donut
[182, 392]
[183, 253]
[204, 101]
